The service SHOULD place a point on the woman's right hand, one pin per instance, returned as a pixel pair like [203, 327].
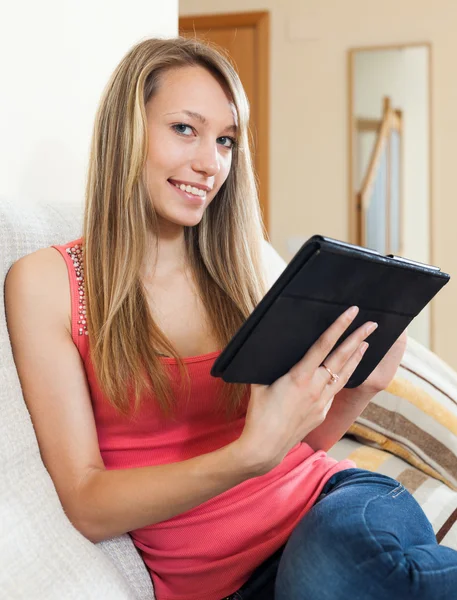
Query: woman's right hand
[282, 414]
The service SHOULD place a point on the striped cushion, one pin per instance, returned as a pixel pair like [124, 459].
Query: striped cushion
[416, 416]
[436, 499]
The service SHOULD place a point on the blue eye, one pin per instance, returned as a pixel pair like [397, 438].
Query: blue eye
[227, 142]
[181, 129]
[187, 131]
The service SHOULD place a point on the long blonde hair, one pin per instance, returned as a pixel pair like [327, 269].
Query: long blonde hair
[224, 249]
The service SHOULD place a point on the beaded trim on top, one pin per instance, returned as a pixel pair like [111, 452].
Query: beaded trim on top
[76, 254]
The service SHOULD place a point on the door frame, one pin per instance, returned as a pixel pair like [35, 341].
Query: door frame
[260, 21]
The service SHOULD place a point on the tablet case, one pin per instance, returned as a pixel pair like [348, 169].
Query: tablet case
[325, 278]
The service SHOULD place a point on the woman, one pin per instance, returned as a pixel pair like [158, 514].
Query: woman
[114, 346]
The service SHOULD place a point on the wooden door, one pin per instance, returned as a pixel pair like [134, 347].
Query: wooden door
[245, 37]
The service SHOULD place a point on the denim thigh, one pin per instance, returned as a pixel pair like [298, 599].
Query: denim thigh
[366, 538]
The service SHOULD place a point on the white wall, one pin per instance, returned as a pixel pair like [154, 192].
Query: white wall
[55, 59]
[309, 119]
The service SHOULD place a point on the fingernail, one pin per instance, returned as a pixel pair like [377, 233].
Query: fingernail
[352, 311]
[363, 347]
[371, 328]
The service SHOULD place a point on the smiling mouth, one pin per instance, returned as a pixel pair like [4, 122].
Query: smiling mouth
[189, 189]
[189, 198]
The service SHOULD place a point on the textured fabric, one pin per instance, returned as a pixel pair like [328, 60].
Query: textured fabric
[366, 538]
[252, 520]
[128, 561]
[438, 502]
[416, 417]
[42, 556]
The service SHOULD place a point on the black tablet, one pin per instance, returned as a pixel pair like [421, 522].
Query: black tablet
[323, 279]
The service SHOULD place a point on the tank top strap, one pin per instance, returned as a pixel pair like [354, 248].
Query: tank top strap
[72, 253]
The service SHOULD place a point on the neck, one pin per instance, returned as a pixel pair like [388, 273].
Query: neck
[166, 252]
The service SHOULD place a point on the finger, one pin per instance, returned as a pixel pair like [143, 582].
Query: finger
[349, 368]
[346, 372]
[324, 345]
[339, 357]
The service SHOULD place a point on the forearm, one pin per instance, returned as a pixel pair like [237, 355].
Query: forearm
[346, 407]
[112, 502]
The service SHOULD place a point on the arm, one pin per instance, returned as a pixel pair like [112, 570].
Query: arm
[346, 407]
[100, 503]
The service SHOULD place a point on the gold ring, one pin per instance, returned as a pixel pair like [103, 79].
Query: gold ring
[333, 376]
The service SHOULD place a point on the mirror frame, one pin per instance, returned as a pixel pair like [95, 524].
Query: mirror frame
[354, 233]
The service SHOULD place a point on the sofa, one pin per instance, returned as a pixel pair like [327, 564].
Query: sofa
[408, 432]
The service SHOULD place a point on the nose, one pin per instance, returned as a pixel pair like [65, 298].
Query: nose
[206, 159]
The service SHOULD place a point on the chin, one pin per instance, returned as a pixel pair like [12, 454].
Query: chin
[185, 219]
[191, 222]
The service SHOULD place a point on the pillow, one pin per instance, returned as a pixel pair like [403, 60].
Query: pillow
[436, 499]
[415, 418]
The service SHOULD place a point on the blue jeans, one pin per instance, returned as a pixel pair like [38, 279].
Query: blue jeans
[366, 538]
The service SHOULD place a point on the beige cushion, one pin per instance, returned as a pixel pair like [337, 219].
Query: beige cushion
[416, 417]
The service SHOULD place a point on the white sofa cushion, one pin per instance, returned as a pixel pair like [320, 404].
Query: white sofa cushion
[42, 556]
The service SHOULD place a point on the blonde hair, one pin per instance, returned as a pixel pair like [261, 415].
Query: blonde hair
[224, 249]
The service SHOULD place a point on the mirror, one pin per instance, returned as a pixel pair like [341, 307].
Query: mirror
[389, 166]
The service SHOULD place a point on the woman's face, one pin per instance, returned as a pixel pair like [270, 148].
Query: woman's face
[191, 128]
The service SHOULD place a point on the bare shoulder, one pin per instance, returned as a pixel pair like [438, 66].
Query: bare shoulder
[45, 263]
[38, 284]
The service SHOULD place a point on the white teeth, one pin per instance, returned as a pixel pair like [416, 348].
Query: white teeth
[190, 189]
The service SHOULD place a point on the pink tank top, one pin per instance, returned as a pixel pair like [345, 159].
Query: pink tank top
[211, 550]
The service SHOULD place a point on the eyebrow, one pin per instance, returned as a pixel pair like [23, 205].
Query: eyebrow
[203, 120]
